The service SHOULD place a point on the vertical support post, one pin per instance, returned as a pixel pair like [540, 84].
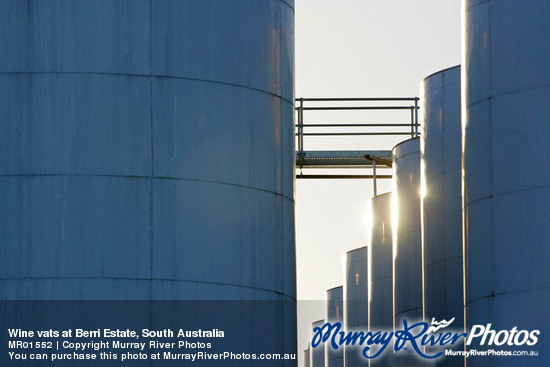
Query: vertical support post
[374, 176]
[299, 132]
[301, 127]
[412, 122]
[416, 115]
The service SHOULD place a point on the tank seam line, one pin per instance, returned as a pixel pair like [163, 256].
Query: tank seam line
[491, 241]
[506, 193]
[476, 5]
[408, 154]
[382, 278]
[443, 261]
[444, 188]
[494, 294]
[287, 4]
[152, 154]
[546, 86]
[145, 177]
[407, 310]
[151, 279]
[148, 76]
[411, 231]
[437, 175]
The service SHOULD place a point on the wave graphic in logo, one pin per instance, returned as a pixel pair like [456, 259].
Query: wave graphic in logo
[439, 325]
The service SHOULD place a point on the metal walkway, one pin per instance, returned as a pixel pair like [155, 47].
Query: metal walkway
[368, 159]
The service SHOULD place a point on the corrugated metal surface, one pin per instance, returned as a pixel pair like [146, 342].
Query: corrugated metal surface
[380, 267]
[506, 144]
[442, 200]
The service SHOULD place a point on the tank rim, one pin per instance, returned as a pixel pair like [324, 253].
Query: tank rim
[357, 249]
[379, 195]
[440, 71]
[403, 142]
[333, 288]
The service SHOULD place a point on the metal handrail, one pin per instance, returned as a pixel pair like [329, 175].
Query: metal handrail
[358, 99]
[405, 104]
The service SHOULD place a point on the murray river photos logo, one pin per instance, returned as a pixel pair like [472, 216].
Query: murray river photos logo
[419, 337]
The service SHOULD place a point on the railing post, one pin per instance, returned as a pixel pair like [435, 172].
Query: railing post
[299, 132]
[416, 115]
[374, 176]
[412, 122]
[301, 127]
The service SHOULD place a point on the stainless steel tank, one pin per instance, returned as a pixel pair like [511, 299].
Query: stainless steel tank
[335, 312]
[441, 204]
[406, 238]
[380, 268]
[356, 290]
[148, 152]
[506, 180]
[307, 362]
[407, 251]
[318, 353]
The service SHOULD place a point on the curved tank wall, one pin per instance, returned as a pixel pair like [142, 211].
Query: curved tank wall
[440, 148]
[506, 180]
[335, 311]
[407, 251]
[148, 151]
[380, 267]
[118, 169]
[307, 362]
[356, 290]
[442, 200]
[318, 353]
[406, 242]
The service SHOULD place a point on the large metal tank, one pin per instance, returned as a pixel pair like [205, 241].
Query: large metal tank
[356, 304]
[307, 359]
[442, 200]
[148, 151]
[407, 251]
[380, 265]
[335, 311]
[318, 353]
[406, 241]
[506, 180]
